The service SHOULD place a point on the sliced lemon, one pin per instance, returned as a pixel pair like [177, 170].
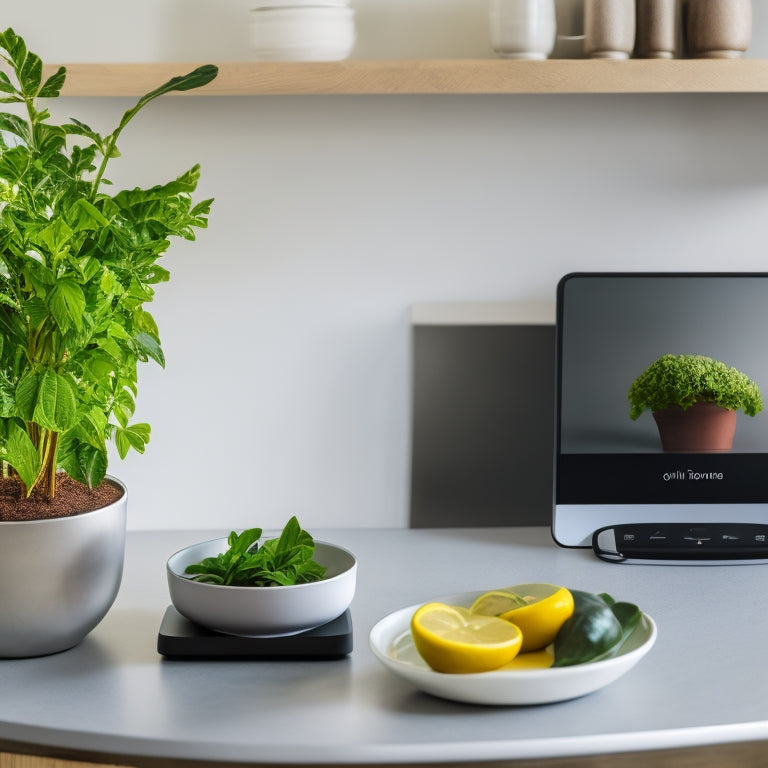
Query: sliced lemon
[543, 659]
[548, 608]
[540, 611]
[497, 602]
[455, 640]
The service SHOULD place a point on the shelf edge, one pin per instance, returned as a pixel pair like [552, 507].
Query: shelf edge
[423, 76]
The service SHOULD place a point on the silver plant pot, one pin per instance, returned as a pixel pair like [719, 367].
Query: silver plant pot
[59, 577]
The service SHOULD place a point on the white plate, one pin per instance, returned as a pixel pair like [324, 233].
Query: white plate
[391, 642]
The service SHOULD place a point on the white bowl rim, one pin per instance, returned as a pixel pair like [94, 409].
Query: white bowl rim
[275, 587]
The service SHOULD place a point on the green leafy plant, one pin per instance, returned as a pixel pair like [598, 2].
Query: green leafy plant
[687, 379]
[77, 266]
[281, 561]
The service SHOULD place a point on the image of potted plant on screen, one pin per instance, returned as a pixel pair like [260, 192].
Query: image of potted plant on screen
[694, 400]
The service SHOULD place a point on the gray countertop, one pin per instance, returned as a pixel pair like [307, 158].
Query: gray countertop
[703, 682]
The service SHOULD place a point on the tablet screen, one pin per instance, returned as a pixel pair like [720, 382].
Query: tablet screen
[639, 358]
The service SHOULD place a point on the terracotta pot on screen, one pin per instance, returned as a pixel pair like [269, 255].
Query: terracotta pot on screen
[702, 428]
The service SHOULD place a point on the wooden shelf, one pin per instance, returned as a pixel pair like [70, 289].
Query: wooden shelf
[422, 76]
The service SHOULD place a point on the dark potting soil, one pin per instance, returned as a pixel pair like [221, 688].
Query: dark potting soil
[71, 498]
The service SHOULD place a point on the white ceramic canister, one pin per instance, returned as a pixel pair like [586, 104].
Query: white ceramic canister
[302, 33]
[657, 29]
[523, 29]
[718, 29]
[609, 28]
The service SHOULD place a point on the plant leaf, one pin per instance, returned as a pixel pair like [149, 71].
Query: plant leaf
[13, 123]
[84, 462]
[246, 564]
[123, 407]
[92, 463]
[150, 346]
[241, 543]
[31, 75]
[56, 407]
[6, 86]
[53, 85]
[135, 436]
[194, 79]
[27, 65]
[67, 304]
[26, 395]
[290, 536]
[84, 216]
[22, 455]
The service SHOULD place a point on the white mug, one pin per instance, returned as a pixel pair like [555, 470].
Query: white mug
[523, 29]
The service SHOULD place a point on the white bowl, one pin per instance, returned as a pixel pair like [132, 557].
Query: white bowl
[391, 642]
[262, 611]
[311, 33]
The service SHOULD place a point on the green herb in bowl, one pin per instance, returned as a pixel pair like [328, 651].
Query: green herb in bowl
[281, 561]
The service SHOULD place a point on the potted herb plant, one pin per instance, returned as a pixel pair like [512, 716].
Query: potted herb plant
[694, 400]
[78, 264]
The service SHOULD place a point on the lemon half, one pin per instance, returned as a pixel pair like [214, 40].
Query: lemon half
[539, 610]
[454, 640]
[542, 659]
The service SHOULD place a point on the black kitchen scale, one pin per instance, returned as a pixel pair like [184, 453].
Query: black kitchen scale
[180, 638]
[620, 489]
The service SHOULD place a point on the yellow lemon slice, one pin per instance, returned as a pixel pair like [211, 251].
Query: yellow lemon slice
[548, 608]
[543, 659]
[455, 640]
[541, 611]
[497, 602]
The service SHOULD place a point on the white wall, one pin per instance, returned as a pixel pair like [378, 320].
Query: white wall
[286, 326]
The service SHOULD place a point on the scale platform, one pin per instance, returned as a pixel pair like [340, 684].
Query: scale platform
[180, 638]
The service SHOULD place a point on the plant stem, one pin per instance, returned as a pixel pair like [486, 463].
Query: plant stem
[47, 442]
[51, 465]
[110, 145]
[31, 113]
